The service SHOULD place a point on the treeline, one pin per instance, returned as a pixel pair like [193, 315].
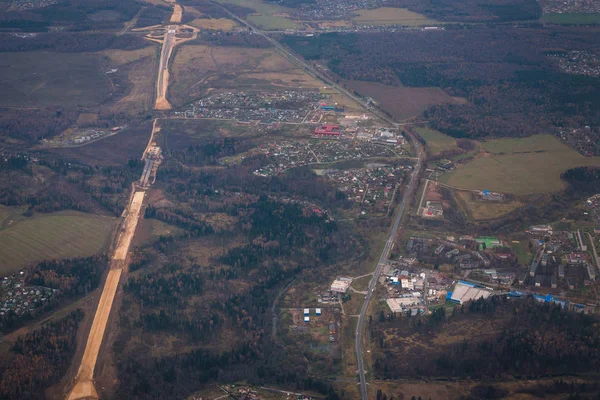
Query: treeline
[33, 125]
[178, 376]
[157, 289]
[69, 186]
[210, 152]
[73, 15]
[474, 10]
[582, 181]
[536, 340]
[14, 162]
[237, 39]
[63, 42]
[154, 15]
[72, 276]
[179, 218]
[40, 358]
[200, 187]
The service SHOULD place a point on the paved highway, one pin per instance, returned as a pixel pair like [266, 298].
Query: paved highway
[408, 194]
[299, 62]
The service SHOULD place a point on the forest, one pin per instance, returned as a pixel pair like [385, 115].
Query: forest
[72, 276]
[39, 359]
[511, 87]
[526, 339]
[74, 15]
[67, 185]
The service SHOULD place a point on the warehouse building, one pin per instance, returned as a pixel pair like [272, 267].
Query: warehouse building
[466, 291]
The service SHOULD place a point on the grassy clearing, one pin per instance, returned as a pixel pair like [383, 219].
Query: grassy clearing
[520, 166]
[349, 355]
[392, 16]
[259, 6]
[271, 16]
[482, 210]
[272, 22]
[51, 236]
[43, 79]
[521, 249]
[531, 144]
[436, 141]
[572, 19]
[223, 24]
[402, 102]
[362, 284]
[196, 68]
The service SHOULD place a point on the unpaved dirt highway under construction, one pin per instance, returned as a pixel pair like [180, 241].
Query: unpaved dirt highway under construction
[84, 384]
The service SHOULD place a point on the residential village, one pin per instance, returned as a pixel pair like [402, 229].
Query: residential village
[292, 154]
[20, 300]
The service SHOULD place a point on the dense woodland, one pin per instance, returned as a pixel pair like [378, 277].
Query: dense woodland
[535, 340]
[74, 15]
[511, 87]
[53, 184]
[39, 359]
[72, 276]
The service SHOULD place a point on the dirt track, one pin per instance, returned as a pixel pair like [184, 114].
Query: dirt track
[177, 13]
[84, 384]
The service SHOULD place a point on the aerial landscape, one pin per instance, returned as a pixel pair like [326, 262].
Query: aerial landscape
[299, 199]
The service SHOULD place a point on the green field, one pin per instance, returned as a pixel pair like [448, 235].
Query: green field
[271, 15]
[436, 141]
[519, 166]
[56, 235]
[35, 79]
[531, 144]
[572, 19]
[261, 7]
[392, 16]
[270, 22]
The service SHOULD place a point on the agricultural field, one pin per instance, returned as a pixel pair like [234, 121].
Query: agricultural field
[198, 67]
[572, 19]
[519, 166]
[402, 102]
[269, 16]
[392, 16]
[25, 240]
[138, 68]
[39, 79]
[222, 24]
[271, 22]
[436, 141]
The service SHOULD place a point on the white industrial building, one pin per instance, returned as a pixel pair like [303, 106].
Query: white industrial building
[340, 285]
[465, 291]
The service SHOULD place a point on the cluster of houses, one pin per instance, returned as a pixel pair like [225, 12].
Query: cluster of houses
[18, 299]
